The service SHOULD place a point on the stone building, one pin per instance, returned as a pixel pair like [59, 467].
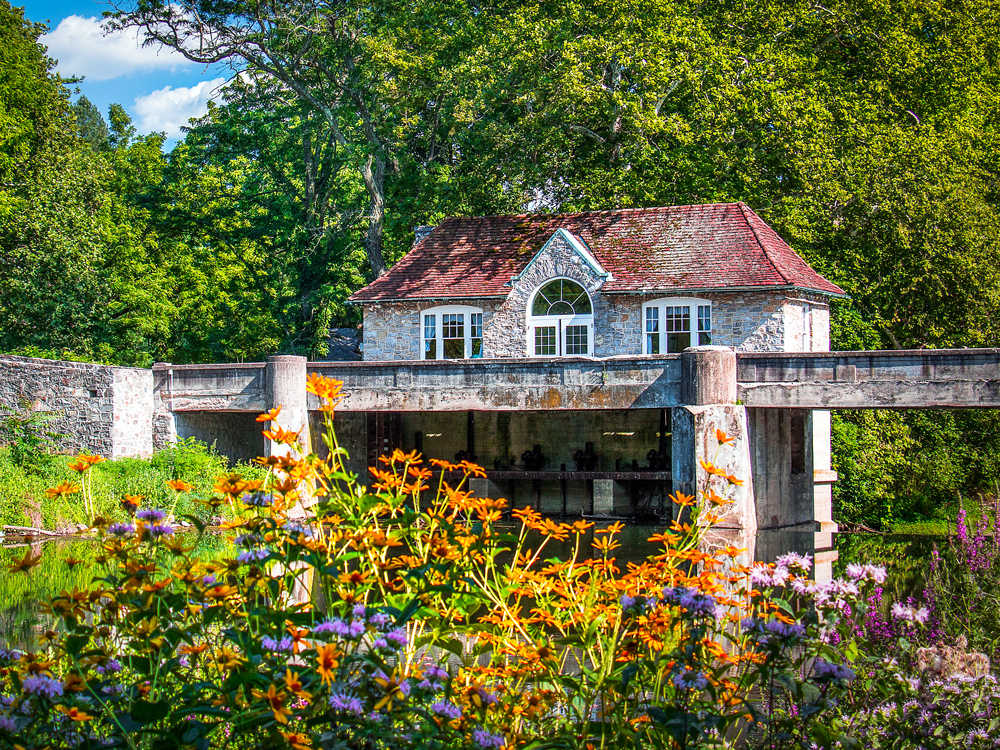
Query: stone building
[598, 285]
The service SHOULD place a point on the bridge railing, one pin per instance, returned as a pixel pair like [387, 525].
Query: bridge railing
[960, 378]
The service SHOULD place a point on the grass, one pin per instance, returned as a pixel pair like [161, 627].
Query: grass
[22, 491]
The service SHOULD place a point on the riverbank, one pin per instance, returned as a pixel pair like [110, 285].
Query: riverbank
[25, 502]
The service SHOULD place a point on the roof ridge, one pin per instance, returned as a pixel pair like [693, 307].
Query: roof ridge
[584, 213]
[744, 208]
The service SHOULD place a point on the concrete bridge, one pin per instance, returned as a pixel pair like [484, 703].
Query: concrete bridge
[946, 378]
[594, 436]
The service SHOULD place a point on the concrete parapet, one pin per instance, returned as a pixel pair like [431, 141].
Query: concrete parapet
[708, 375]
[285, 384]
[694, 441]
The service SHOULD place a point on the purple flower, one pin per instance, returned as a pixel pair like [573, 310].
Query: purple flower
[271, 644]
[327, 626]
[793, 561]
[346, 702]
[697, 604]
[358, 610]
[158, 530]
[356, 629]
[150, 514]
[487, 740]
[247, 540]
[380, 643]
[627, 601]
[43, 686]
[8, 655]
[257, 499]
[250, 556]
[7, 724]
[208, 580]
[112, 667]
[121, 529]
[689, 679]
[380, 620]
[447, 709]
[397, 637]
[866, 572]
[828, 672]
[435, 673]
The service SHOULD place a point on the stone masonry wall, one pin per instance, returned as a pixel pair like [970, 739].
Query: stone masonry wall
[508, 329]
[746, 321]
[133, 412]
[86, 398]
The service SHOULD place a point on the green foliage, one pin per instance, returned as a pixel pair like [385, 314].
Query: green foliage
[23, 432]
[90, 126]
[23, 501]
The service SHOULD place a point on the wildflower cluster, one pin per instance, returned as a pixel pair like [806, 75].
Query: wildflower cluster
[407, 616]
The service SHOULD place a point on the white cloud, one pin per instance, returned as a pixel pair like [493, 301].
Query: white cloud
[82, 49]
[169, 108]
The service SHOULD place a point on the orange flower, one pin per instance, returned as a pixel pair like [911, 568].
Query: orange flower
[66, 488]
[711, 468]
[733, 480]
[681, 499]
[299, 636]
[179, 485]
[75, 713]
[298, 740]
[723, 439]
[327, 660]
[276, 702]
[84, 463]
[26, 563]
[293, 683]
[392, 690]
[327, 389]
[615, 528]
[271, 416]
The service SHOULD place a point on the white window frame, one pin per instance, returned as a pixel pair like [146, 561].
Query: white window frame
[660, 305]
[467, 312]
[559, 322]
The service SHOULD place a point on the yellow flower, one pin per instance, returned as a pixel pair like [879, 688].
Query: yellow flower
[26, 563]
[298, 740]
[75, 713]
[327, 660]
[271, 416]
[66, 488]
[293, 683]
[392, 690]
[179, 485]
[276, 702]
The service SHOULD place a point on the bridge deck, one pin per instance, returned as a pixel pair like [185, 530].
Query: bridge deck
[954, 378]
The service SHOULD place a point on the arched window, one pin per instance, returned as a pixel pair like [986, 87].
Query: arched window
[560, 320]
[673, 324]
[451, 332]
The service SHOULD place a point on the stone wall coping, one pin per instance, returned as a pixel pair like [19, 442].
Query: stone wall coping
[530, 361]
[166, 366]
[884, 353]
[67, 364]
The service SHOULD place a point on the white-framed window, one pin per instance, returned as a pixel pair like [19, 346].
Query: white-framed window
[560, 320]
[451, 332]
[672, 324]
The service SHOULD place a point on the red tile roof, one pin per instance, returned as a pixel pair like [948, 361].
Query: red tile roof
[676, 248]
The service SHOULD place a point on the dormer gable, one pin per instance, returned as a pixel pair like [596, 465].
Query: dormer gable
[564, 238]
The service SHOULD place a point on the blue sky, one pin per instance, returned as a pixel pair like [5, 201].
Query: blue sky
[160, 89]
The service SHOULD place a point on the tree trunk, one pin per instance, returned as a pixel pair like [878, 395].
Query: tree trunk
[373, 173]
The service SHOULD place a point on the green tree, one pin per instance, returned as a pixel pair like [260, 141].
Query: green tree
[90, 125]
